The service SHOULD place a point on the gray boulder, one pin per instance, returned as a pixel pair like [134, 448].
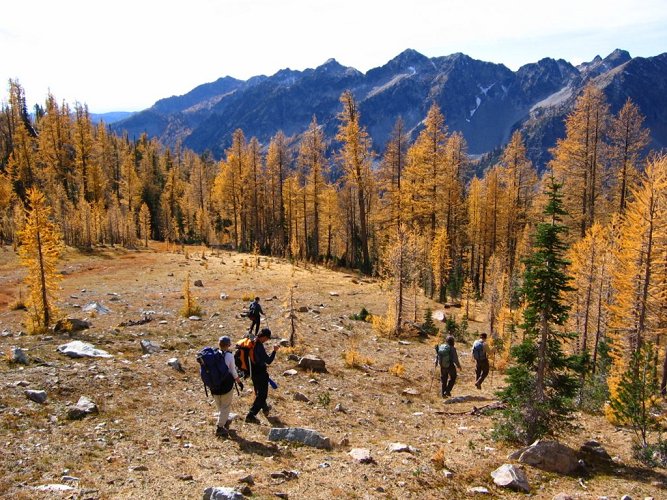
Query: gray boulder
[594, 450]
[361, 455]
[175, 364]
[222, 493]
[401, 448]
[298, 396]
[36, 396]
[82, 408]
[312, 362]
[308, 437]
[550, 456]
[19, 356]
[69, 325]
[78, 349]
[508, 476]
[149, 347]
[96, 307]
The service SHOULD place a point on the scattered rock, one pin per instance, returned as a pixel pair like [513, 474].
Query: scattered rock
[19, 356]
[222, 493]
[361, 455]
[96, 307]
[302, 309]
[185, 477]
[290, 373]
[69, 479]
[149, 347]
[287, 475]
[438, 315]
[410, 391]
[198, 283]
[563, 496]
[245, 490]
[69, 325]
[508, 476]
[550, 456]
[594, 450]
[223, 296]
[249, 479]
[465, 399]
[281, 495]
[301, 397]
[339, 408]
[308, 437]
[36, 396]
[82, 408]
[626, 497]
[78, 349]
[138, 468]
[55, 488]
[478, 490]
[312, 362]
[447, 474]
[404, 342]
[175, 364]
[401, 448]
[293, 357]
[22, 383]
[146, 318]
[344, 442]
[334, 294]
[194, 318]
[284, 343]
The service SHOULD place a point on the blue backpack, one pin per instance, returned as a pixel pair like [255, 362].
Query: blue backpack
[214, 371]
[478, 350]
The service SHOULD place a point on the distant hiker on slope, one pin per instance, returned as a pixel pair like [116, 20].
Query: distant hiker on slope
[448, 359]
[480, 353]
[254, 312]
[260, 376]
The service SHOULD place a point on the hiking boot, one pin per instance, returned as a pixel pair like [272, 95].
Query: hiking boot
[227, 424]
[221, 432]
[478, 385]
[266, 410]
[252, 419]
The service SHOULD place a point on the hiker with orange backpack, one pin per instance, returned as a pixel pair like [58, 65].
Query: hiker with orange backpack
[259, 361]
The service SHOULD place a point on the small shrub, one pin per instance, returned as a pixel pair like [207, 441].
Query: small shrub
[354, 359]
[652, 455]
[18, 305]
[324, 399]
[438, 458]
[362, 316]
[247, 297]
[397, 370]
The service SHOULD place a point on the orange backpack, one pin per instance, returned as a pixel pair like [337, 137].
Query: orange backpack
[244, 356]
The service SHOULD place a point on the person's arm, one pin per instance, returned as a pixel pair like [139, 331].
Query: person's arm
[437, 358]
[231, 366]
[456, 358]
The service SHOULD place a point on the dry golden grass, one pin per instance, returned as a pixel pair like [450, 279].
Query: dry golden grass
[153, 416]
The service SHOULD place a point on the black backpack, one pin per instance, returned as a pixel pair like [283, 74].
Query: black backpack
[253, 310]
[214, 372]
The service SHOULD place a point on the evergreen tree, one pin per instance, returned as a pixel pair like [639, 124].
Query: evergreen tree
[540, 385]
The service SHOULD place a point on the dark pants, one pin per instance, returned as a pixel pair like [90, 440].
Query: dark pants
[260, 379]
[255, 324]
[448, 378]
[481, 370]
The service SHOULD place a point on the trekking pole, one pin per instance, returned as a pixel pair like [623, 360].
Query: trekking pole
[430, 386]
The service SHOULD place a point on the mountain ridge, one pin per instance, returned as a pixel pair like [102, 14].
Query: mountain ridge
[484, 101]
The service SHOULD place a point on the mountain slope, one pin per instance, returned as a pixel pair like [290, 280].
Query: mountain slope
[484, 101]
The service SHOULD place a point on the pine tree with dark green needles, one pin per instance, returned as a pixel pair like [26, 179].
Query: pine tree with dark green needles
[541, 385]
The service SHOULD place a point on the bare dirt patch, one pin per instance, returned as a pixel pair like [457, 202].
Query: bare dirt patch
[154, 434]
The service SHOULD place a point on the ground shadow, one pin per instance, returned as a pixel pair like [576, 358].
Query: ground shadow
[254, 447]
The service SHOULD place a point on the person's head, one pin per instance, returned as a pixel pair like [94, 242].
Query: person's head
[450, 340]
[256, 299]
[224, 342]
[264, 335]
[482, 336]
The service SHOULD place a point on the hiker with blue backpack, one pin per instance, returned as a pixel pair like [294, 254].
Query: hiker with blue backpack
[254, 312]
[448, 359]
[218, 372]
[480, 353]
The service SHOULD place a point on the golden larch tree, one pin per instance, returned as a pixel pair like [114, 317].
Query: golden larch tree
[41, 246]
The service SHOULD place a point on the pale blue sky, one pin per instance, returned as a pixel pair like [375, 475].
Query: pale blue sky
[124, 55]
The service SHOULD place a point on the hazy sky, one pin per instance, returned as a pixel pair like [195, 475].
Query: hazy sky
[124, 55]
